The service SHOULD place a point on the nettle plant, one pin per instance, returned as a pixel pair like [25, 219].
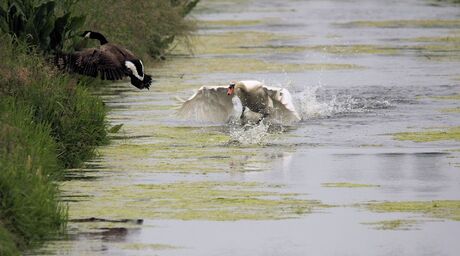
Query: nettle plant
[45, 24]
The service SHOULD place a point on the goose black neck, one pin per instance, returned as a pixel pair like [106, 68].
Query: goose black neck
[98, 36]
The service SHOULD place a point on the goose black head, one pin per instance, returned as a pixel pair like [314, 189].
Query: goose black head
[94, 35]
[231, 88]
[136, 68]
[141, 84]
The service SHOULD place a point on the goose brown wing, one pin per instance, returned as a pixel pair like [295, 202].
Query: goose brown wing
[93, 62]
[119, 51]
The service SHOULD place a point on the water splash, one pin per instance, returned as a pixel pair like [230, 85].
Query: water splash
[250, 134]
[309, 106]
[312, 105]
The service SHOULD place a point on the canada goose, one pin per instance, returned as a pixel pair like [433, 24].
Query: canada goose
[110, 61]
[214, 103]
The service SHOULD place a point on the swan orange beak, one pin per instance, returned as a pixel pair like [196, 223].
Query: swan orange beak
[230, 90]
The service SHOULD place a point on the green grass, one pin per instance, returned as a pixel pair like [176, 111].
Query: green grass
[47, 122]
[29, 207]
[148, 28]
[76, 118]
[7, 244]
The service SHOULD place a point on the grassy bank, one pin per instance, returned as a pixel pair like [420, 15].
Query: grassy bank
[47, 123]
[76, 119]
[30, 210]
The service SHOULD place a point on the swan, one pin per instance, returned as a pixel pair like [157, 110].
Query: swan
[216, 104]
[110, 61]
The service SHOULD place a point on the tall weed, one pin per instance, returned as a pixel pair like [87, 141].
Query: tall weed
[149, 28]
[46, 24]
[29, 206]
[76, 118]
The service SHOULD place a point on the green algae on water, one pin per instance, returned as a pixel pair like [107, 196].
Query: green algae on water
[355, 49]
[194, 150]
[245, 65]
[451, 110]
[229, 23]
[432, 135]
[348, 185]
[242, 42]
[144, 246]
[442, 209]
[455, 39]
[437, 52]
[448, 97]
[220, 201]
[370, 145]
[435, 23]
[399, 224]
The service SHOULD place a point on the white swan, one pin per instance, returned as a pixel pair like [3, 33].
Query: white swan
[215, 104]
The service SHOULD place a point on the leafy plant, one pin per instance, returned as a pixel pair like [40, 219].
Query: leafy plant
[29, 206]
[154, 26]
[43, 23]
[185, 5]
[161, 42]
[76, 118]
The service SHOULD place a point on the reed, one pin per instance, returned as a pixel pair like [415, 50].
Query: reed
[47, 123]
[76, 118]
[150, 28]
[29, 207]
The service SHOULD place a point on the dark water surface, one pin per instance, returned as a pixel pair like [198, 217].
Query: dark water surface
[359, 71]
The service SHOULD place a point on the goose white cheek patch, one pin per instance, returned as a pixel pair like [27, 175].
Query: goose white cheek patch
[142, 65]
[133, 69]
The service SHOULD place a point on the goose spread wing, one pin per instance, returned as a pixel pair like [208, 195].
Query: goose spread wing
[209, 103]
[92, 62]
[282, 103]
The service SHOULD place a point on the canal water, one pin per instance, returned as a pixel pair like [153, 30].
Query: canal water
[343, 181]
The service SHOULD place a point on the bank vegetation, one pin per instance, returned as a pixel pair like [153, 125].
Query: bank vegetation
[51, 121]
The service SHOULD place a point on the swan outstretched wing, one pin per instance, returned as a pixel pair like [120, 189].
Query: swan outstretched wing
[209, 103]
[282, 103]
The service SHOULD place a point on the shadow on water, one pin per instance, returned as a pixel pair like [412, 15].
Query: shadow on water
[109, 234]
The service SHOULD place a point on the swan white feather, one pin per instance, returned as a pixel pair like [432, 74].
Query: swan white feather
[211, 103]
